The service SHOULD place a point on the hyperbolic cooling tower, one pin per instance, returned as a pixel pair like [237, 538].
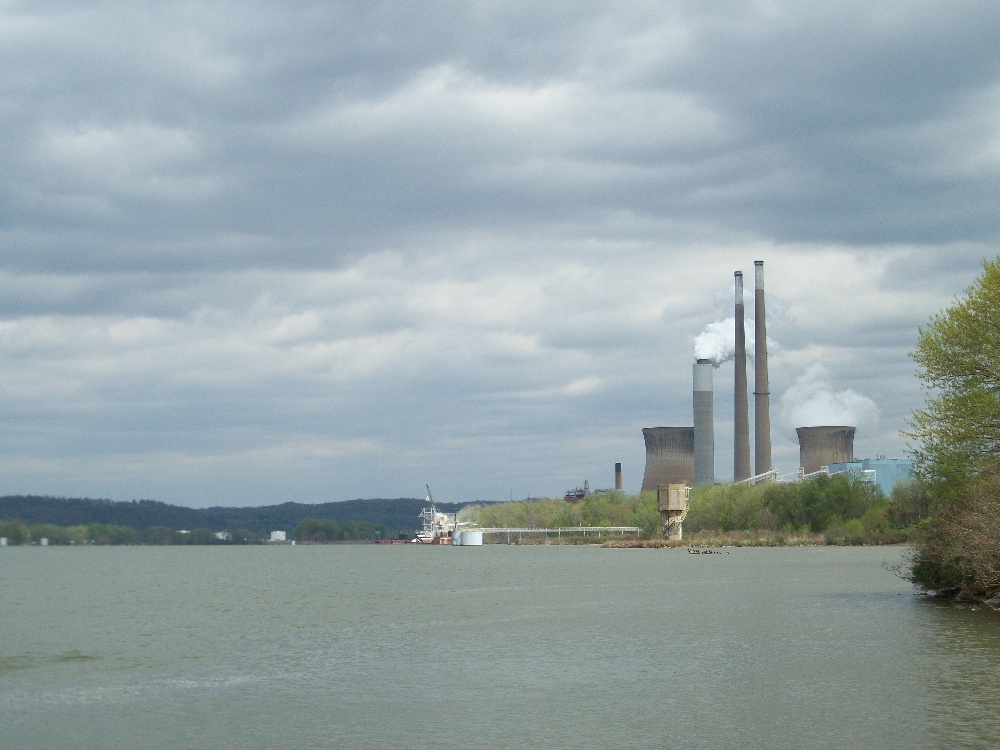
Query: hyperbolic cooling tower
[741, 409]
[669, 456]
[761, 394]
[822, 446]
[704, 430]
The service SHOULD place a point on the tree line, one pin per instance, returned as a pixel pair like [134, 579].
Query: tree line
[310, 530]
[395, 515]
[956, 445]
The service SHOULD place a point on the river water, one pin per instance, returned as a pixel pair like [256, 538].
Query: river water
[485, 647]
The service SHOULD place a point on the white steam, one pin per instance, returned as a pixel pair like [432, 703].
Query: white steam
[812, 402]
[717, 343]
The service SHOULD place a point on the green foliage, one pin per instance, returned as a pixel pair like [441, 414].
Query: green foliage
[612, 508]
[157, 535]
[322, 531]
[815, 506]
[956, 437]
[396, 515]
[15, 531]
[957, 549]
[958, 354]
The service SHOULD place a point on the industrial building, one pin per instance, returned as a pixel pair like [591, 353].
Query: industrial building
[679, 455]
[885, 472]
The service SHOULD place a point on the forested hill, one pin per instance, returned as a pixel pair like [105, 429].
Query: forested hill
[399, 514]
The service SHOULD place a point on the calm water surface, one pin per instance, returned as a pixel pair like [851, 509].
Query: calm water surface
[490, 647]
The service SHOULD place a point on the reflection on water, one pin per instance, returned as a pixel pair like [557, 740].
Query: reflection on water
[962, 648]
[364, 646]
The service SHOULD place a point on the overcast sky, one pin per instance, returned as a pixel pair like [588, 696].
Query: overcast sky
[292, 251]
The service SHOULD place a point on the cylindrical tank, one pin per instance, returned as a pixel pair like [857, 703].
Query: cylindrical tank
[704, 430]
[669, 456]
[741, 408]
[822, 446]
[761, 392]
[472, 538]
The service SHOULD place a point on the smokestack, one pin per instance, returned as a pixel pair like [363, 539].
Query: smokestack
[618, 476]
[822, 446]
[704, 430]
[669, 456]
[761, 392]
[741, 415]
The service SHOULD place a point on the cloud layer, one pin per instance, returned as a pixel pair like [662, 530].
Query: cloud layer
[318, 251]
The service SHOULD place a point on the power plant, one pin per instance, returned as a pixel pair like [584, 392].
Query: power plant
[669, 456]
[822, 446]
[704, 423]
[761, 395]
[677, 455]
[741, 409]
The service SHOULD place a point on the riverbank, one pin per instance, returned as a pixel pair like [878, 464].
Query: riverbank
[744, 539]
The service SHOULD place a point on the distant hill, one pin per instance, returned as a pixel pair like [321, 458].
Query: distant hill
[400, 514]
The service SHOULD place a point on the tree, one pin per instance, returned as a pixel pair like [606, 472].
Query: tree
[958, 353]
[957, 443]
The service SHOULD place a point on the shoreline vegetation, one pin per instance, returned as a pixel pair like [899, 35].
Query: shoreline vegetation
[956, 443]
[837, 510]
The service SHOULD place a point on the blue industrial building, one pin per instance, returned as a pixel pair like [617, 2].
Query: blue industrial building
[885, 472]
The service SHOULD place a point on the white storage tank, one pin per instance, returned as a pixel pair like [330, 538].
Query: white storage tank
[472, 538]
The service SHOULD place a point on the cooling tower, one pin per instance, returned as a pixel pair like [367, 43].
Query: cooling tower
[704, 430]
[618, 476]
[761, 393]
[822, 446]
[741, 409]
[669, 456]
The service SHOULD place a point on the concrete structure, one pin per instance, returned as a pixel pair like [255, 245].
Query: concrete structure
[761, 392]
[618, 476]
[885, 472]
[825, 445]
[669, 456]
[741, 408]
[279, 536]
[673, 501]
[704, 429]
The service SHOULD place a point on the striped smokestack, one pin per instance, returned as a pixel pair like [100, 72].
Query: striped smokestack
[741, 415]
[761, 393]
[669, 456]
[704, 431]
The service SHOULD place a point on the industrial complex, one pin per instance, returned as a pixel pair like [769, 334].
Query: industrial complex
[686, 455]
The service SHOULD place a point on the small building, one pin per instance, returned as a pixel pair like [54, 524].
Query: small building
[279, 536]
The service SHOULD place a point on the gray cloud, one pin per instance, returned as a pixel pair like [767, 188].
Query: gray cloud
[333, 250]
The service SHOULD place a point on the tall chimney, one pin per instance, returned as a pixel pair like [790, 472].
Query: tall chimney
[669, 456]
[618, 476]
[741, 415]
[822, 446]
[704, 430]
[761, 393]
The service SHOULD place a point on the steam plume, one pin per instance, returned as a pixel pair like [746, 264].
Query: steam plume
[812, 402]
[717, 343]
